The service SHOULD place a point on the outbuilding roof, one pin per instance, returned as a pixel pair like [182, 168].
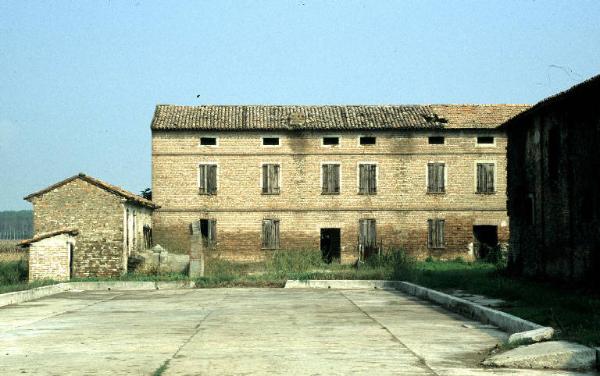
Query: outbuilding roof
[132, 197]
[589, 88]
[46, 235]
[272, 117]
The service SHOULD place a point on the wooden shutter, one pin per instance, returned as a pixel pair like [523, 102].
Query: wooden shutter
[430, 233]
[266, 233]
[335, 178]
[275, 234]
[485, 177]
[211, 179]
[274, 178]
[367, 233]
[202, 179]
[435, 235]
[362, 179]
[265, 178]
[212, 232]
[325, 174]
[372, 179]
[490, 177]
[440, 233]
[430, 178]
[435, 177]
[270, 234]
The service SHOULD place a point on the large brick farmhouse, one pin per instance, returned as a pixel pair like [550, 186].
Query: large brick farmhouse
[343, 179]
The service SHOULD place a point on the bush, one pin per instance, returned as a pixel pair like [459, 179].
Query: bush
[284, 262]
[13, 272]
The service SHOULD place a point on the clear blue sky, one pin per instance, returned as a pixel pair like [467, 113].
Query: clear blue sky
[79, 79]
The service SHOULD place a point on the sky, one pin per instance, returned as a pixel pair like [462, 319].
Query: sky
[79, 80]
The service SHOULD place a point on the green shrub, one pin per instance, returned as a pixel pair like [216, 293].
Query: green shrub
[300, 261]
[13, 272]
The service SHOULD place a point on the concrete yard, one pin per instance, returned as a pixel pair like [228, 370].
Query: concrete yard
[242, 331]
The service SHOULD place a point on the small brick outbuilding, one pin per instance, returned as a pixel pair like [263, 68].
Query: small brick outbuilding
[112, 223]
[51, 255]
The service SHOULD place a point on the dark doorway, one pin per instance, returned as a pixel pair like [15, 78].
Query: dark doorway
[330, 244]
[70, 260]
[486, 240]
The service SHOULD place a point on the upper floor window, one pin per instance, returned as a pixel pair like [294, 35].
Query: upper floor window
[367, 179]
[331, 178]
[436, 178]
[435, 234]
[207, 179]
[270, 141]
[270, 234]
[485, 140]
[436, 140]
[270, 179]
[485, 177]
[368, 140]
[208, 141]
[331, 141]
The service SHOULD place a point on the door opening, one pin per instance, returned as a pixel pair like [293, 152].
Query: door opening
[486, 240]
[70, 260]
[330, 244]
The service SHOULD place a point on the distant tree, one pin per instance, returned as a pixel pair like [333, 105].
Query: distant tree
[146, 193]
[16, 224]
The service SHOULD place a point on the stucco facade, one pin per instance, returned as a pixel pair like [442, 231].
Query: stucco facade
[554, 200]
[401, 205]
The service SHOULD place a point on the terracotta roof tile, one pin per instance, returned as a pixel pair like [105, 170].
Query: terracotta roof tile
[258, 117]
[45, 235]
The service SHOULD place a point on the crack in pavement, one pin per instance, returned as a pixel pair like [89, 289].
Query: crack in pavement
[421, 360]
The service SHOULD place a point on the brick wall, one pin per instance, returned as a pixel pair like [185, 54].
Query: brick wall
[49, 258]
[97, 214]
[401, 205]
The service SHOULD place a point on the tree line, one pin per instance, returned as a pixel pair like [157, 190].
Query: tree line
[16, 224]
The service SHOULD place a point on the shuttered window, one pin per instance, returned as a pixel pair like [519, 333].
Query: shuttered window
[270, 179]
[270, 234]
[367, 233]
[331, 179]
[207, 179]
[367, 179]
[435, 238]
[435, 178]
[485, 178]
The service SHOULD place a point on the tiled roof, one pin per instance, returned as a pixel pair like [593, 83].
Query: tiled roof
[589, 87]
[258, 117]
[99, 183]
[45, 235]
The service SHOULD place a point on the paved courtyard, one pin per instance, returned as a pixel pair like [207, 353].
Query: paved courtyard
[242, 331]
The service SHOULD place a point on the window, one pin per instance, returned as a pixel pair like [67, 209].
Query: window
[485, 178]
[270, 179]
[435, 178]
[485, 140]
[330, 141]
[368, 140]
[331, 179]
[436, 140]
[435, 237]
[147, 231]
[367, 237]
[270, 141]
[207, 179]
[270, 234]
[208, 231]
[367, 179]
[208, 141]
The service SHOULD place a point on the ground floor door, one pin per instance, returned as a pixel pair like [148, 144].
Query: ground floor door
[330, 244]
[486, 239]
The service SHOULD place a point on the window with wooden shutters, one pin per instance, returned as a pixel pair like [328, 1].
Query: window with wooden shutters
[485, 178]
[331, 179]
[435, 178]
[270, 234]
[367, 236]
[270, 179]
[367, 179]
[207, 179]
[435, 238]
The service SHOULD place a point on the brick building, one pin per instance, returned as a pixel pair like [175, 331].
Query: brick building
[110, 223]
[554, 200]
[51, 255]
[430, 178]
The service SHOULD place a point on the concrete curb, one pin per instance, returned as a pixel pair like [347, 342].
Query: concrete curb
[486, 315]
[17, 297]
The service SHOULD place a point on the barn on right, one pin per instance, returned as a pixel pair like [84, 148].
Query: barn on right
[553, 186]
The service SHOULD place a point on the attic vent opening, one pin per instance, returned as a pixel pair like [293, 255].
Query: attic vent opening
[368, 140]
[296, 119]
[436, 140]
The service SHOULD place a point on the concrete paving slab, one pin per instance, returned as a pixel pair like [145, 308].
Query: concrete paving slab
[242, 331]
